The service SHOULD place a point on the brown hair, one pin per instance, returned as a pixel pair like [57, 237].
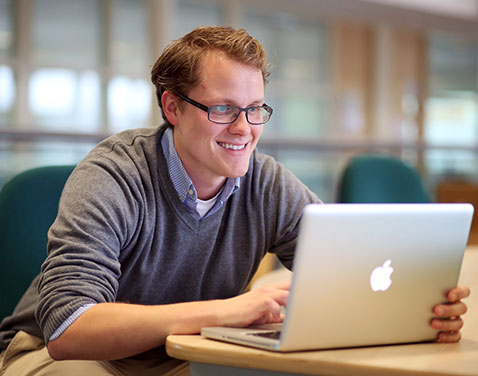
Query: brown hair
[177, 69]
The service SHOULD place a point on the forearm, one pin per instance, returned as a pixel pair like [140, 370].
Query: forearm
[116, 330]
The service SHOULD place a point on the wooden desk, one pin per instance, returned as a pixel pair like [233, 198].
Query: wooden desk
[209, 357]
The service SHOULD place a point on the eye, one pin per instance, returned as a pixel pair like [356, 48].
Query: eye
[222, 109]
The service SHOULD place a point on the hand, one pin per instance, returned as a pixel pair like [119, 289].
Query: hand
[259, 306]
[448, 319]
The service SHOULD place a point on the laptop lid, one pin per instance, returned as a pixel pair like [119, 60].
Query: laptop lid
[368, 274]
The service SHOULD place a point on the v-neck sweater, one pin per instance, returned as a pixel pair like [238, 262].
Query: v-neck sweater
[123, 235]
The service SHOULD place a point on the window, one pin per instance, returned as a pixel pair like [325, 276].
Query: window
[338, 86]
[7, 93]
[7, 80]
[130, 42]
[297, 91]
[83, 68]
[452, 104]
[6, 28]
[193, 13]
[67, 32]
[297, 49]
[129, 92]
[65, 99]
[129, 103]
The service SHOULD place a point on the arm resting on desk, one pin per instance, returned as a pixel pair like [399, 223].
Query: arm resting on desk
[115, 330]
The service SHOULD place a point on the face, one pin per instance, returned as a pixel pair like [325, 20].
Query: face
[212, 152]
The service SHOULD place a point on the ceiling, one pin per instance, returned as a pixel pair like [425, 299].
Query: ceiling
[467, 9]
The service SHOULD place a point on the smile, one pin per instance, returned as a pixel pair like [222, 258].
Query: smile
[231, 146]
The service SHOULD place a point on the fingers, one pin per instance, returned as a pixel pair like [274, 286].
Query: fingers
[277, 292]
[283, 286]
[450, 310]
[451, 325]
[271, 313]
[273, 298]
[458, 293]
[279, 285]
[449, 337]
[448, 320]
[259, 306]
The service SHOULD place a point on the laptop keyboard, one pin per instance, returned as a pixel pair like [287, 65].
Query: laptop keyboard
[273, 335]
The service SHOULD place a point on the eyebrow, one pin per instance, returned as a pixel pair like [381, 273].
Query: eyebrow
[258, 102]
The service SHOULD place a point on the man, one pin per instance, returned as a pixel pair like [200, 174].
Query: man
[160, 230]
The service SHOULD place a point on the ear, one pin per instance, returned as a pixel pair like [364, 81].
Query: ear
[170, 107]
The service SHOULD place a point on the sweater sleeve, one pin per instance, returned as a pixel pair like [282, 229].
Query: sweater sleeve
[96, 214]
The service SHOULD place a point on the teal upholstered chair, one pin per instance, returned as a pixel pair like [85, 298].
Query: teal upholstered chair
[28, 206]
[374, 178]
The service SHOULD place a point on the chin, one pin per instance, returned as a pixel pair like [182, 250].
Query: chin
[237, 173]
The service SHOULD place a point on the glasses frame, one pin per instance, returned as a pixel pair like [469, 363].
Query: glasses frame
[246, 109]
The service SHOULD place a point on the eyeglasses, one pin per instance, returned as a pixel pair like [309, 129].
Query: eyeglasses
[227, 114]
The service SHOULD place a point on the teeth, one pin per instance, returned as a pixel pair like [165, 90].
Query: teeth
[233, 147]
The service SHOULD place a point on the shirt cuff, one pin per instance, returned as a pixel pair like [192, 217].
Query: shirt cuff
[70, 320]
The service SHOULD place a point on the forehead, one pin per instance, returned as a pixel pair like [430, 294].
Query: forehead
[221, 76]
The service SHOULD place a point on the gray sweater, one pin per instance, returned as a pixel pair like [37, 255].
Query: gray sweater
[123, 235]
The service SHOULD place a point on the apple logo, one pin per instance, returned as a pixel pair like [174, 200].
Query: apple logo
[380, 278]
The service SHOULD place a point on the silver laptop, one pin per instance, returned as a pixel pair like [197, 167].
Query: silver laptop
[365, 274]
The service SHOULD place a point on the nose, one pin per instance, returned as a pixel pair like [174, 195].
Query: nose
[241, 125]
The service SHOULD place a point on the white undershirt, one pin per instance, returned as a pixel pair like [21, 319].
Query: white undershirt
[204, 206]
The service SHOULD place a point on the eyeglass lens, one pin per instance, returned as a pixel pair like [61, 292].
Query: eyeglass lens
[229, 114]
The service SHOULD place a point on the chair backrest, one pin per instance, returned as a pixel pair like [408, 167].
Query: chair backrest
[28, 207]
[374, 178]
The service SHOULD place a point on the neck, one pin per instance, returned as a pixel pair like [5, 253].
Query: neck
[206, 188]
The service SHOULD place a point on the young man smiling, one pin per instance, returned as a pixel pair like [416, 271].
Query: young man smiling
[212, 152]
[160, 230]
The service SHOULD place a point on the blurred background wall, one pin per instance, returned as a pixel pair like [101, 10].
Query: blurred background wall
[350, 76]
